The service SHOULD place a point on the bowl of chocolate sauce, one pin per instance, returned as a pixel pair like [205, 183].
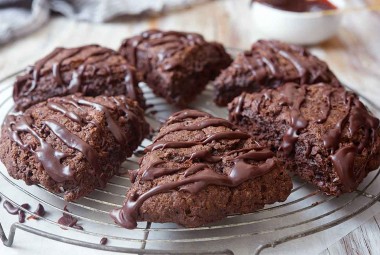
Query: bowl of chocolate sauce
[303, 22]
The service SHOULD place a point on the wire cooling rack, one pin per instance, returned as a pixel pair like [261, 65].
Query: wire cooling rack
[305, 212]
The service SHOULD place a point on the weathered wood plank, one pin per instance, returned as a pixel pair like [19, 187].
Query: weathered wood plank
[364, 240]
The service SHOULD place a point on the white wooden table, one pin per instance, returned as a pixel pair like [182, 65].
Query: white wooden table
[353, 55]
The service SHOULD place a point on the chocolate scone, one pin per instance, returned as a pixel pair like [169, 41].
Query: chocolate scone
[91, 70]
[270, 64]
[325, 133]
[72, 144]
[201, 169]
[176, 65]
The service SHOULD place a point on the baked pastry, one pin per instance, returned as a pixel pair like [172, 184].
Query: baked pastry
[201, 169]
[325, 133]
[270, 64]
[175, 65]
[72, 144]
[91, 70]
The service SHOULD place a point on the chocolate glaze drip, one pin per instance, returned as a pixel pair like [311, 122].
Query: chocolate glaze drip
[241, 172]
[51, 158]
[75, 84]
[205, 155]
[112, 125]
[40, 211]
[235, 115]
[75, 142]
[293, 96]
[196, 126]
[326, 110]
[343, 161]
[181, 115]
[46, 154]
[153, 172]
[69, 114]
[357, 119]
[176, 42]
[230, 135]
[299, 5]
[197, 176]
[263, 59]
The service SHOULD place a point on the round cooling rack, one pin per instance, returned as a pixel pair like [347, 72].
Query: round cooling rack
[306, 211]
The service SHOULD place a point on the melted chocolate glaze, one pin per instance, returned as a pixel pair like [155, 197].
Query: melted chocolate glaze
[196, 180]
[177, 41]
[196, 126]
[51, 158]
[75, 84]
[293, 96]
[231, 135]
[357, 118]
[299, 5]
[196, 176]
[267, 69]
[46, 154]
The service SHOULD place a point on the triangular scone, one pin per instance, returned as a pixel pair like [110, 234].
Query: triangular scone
[91, 70]
[270, 64]
[201, 169]
[72, 144]
[324, 133]
[175, 65]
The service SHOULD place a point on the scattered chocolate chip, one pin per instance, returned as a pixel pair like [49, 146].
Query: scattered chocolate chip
[10, 208]
[21, 216]
[103, 241]
[68, 220]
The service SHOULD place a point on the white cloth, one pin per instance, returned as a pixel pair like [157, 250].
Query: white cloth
[20, 17]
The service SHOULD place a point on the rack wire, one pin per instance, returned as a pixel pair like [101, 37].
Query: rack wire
[307, 211]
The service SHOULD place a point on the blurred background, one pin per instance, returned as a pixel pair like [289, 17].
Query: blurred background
[30, 29]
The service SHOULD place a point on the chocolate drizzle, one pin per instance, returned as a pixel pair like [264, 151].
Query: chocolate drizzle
[176, 42]
[309, 69]
[93, 61]
[356, 119]
[230, 135]
[50, 158]
[293, 96]
[45, 153]
[75, 142]
[197, 126]
[195, 175]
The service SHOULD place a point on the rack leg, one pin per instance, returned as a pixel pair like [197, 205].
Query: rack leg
[8, 241]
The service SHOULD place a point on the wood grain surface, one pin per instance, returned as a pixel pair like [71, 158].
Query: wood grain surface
[353, 54]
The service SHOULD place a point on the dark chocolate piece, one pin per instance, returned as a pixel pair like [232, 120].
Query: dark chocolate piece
[201, 169]
[10, 208]
[270, 64]
[73, 143]
[325, 133]
[68, 220]
[176, 65]
[91, 70]
[103, 241]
